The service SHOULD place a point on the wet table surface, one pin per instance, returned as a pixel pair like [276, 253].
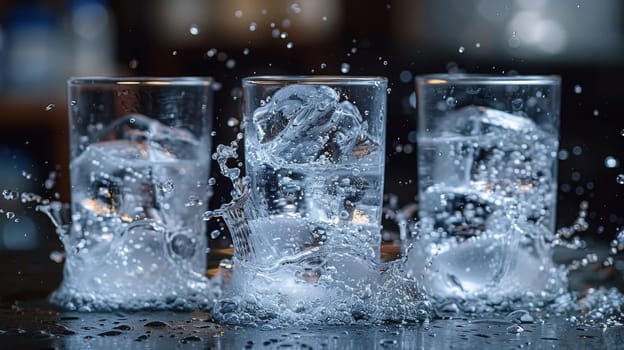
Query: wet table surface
[40, 326]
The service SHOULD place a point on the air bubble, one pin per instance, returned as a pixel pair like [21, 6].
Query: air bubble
[215, 234]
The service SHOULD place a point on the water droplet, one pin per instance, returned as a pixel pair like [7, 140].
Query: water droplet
[26, 175]
[405, 76]
[231, 63]
[286, 23]
[238, 14]
[215, 234]
[324, 65]
[295, 8]
[50, 107]
[132, 120]
[194, 29]
[213, 133]
[275, 33]
[289, 45]
[212, 52]
[252, 26]
[246, 51]
[450, 101]
[283, 35]
[9, 195]
[57, 256]
[620, 179]
[133, 63]
[611, 162]
[10, 215]
[388, 91]
[212, 181]
[461, 49]
[324, 18]
[344, 68]
[596, 112]
[232, 122]
[578, 89]
[478, 45]
[174, 52]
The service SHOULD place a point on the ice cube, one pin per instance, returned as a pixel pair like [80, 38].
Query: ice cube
[477, 121]
[305, 124]
[138, 128]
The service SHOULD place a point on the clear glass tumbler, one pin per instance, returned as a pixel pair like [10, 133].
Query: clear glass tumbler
[314, 154]
[487, 177]
[139, 164]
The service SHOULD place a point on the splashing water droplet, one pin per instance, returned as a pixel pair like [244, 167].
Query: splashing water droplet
[10, 215]
[231, 63]
[57, 256]
[611, 162]
[9, 195]
[193, 201]
[478, 45]
[344, 68]
[213, 133]
[215, 234]
[212, 52]
[238, 14]
[212, 181]
[324, 18]
[246, 51]
[324, 65]
[596, 112]
[283, 35]
[620, 179]
[174, 52]
[232, 122]
[289, 45]
[50, 107]
[461, 49]
[578, 89]
[26, 175]
[194, 29]
[252, 26]
[295, 8]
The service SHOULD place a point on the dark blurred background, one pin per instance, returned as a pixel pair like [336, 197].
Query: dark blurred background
[44, 42]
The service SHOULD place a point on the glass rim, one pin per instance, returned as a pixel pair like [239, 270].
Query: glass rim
[313, 80]
[149, 81]
[486, 79]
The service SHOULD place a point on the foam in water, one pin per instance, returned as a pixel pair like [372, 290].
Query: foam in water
[134, 242]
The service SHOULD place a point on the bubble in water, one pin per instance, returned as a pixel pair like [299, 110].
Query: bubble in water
[10, 215]
[215, 234]
[167, 186]
[611, 162]
[620, 179]
[212, 181]
[461, 49]
[212, 52]
[50, 107]
[252, 26]
[451, 101]
[578, 89]
[515, 329]
[344, 68]
[194, 29]
[238, 14]
[50, 181]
